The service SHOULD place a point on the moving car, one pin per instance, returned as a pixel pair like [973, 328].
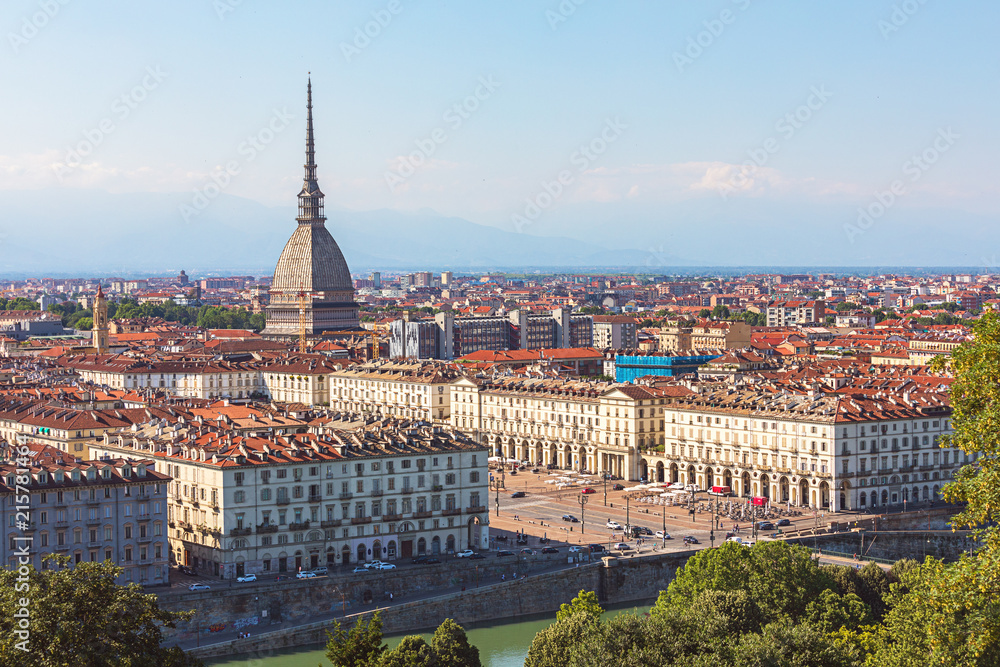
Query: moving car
[359, 569]
[374, 565]
[677, 486]
[246, 578]
[476, 556]
[618, 487]
[199, 587]
[465, 553]
[613, 525]
[383, 566]
[518, 494]
[784, 522]
[691, 540]
[527, 552]
[504, 552]
[622, 546]
[305, 575]
[596, 548]
[765, 525]
[570, 518]
[587, 490]
[663, 535]
[550, 550]
[574, 549]
[320, 571]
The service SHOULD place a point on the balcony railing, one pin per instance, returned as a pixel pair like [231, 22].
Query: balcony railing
[361, 519]
[265, 528]
[283, 500]
[315, 498]
[239, 532]
[346, 496]
[421, 515]
[302, 525]
[475, 510]
[376, 493]
[407, 489]
[392, 517]
[452, 512]
[330, 523]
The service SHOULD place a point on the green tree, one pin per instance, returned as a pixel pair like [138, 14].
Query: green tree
[704, 312]
[873, 586]
[361, 646]
[793, 645]
[412, 651]
[780, 578]
[552, 646]
[452, 648]
[830, 612]
[585, 602]
[720, 312]
[84, 323]
[79, 617]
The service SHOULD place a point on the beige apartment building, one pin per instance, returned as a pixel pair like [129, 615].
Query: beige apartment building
[593, 426]
[414, 390]
[834, 451]
[266, 504]
[679, 336]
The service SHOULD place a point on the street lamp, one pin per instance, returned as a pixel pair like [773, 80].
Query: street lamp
[663, 513]
[606, 476]
[583, 501]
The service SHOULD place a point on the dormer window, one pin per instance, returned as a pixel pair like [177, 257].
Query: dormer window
[106, 473]
[75, 475]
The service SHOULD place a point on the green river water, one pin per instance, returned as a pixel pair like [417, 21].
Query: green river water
[500, 645]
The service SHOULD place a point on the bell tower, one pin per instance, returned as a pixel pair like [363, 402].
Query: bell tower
[100, 330]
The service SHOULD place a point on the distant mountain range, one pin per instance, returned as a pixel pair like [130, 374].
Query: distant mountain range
[88, 232]
[104, 234]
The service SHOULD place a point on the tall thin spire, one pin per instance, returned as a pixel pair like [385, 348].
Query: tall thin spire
[311, 197]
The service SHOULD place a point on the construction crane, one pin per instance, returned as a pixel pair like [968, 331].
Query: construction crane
[375, 350]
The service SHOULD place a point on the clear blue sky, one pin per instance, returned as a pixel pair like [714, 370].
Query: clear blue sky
[683, 125]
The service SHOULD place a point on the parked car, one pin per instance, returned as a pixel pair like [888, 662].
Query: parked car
[373, 565]
[550, 550]
[247, 578]
[587, 490]
[504, 552]
[663, 535]
[359, 569]
[784, 522]
[518, 494]
[618, 487]
[622, 546]
[613, 525]
[574, 549]
[527, 552]
[596, 548]
[642, 530]
[320, 571]
[570, 518]
[383, 566]
[199, 587]
[305, 574]
[465, 553]
[691, 540]
[765, 525]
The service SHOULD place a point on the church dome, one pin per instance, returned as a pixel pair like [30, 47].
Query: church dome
[312, 261]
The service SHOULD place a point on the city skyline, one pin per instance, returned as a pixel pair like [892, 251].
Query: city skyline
[704, 136]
